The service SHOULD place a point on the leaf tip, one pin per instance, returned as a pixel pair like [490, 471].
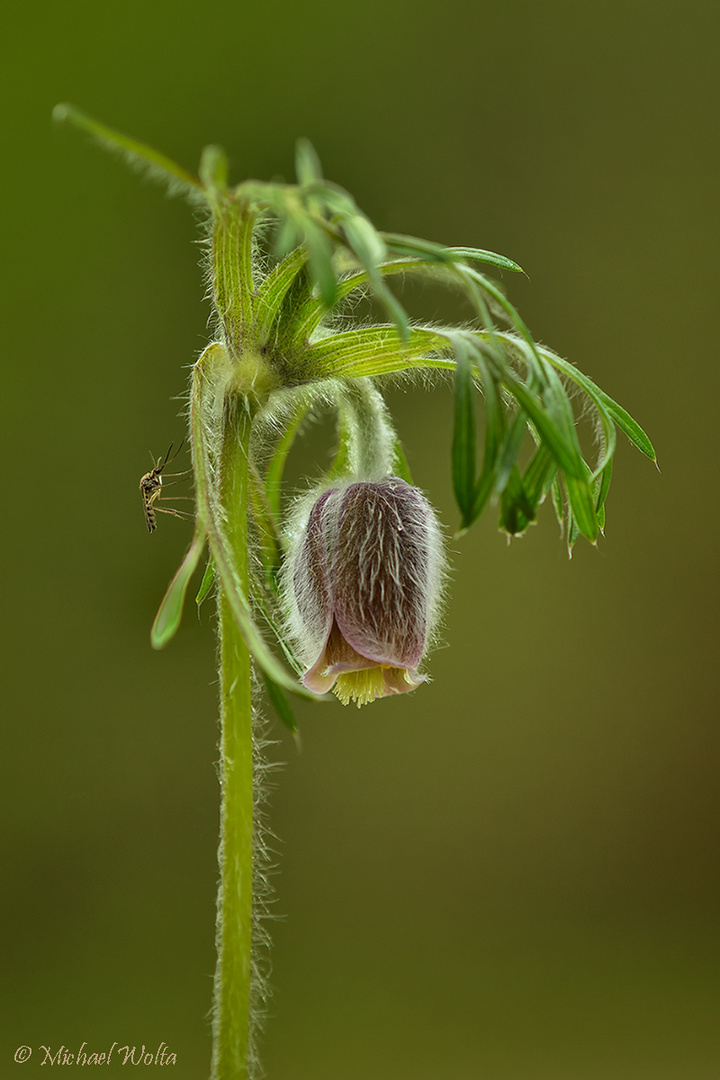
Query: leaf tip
[61, 112]
[307, 163]
[159, 637]
[214, 168]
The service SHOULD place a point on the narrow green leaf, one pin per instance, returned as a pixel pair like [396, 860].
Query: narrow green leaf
[567, 456]
[539, 475]
[516, 509]
[559, 402]
[307, 163]
[483, 491]
[461, 271]
[495, 432]
[394, 309]
[310, 317]
[285, 289]
[573, 532]
[369, 248]
[496, 424]
[489, 257]
[287, 237]
[602, 483]
[619, 416]
[170, 611]
[426, 249]
[214, 168]
[312, 314]
[629, 427]
[557, 502]
[512, 313]
[265, 603]
[157, 165]
[509, 451]
[280, 702]
[329, 200]
[319, 250]
[370, 363]
[207, 582]
[608, 442]
[276, 467]
[374, 350]
[464, 441]
[558, 406]
[582, 504]
[364, 241]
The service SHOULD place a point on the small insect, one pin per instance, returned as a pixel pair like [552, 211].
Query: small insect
[151, 489]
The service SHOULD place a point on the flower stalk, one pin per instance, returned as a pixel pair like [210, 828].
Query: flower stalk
[234, 926]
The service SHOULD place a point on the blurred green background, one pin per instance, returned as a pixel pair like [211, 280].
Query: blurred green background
[511, 874]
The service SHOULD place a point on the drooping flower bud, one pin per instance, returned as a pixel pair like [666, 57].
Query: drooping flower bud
[363, 585]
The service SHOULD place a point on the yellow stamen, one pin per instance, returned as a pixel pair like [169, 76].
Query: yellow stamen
[360, 686]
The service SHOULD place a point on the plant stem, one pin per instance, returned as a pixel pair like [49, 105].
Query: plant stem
[231, 1012]
[232, 245]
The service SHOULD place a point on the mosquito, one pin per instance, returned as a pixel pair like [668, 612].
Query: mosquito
[151, 490]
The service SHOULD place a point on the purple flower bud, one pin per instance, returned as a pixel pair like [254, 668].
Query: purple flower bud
[363, 588]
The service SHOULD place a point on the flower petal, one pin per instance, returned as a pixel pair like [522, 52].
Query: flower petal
[311, 584]
[380, 573]
[336, 658]
[401, 681]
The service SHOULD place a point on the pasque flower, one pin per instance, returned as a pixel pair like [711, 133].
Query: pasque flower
[363, 586]
[364, 563]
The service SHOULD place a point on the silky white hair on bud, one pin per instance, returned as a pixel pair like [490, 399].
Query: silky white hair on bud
[374, 551]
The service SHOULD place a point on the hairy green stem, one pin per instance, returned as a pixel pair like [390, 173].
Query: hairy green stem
[231, 1013]
[232, 238]
[368, 429]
